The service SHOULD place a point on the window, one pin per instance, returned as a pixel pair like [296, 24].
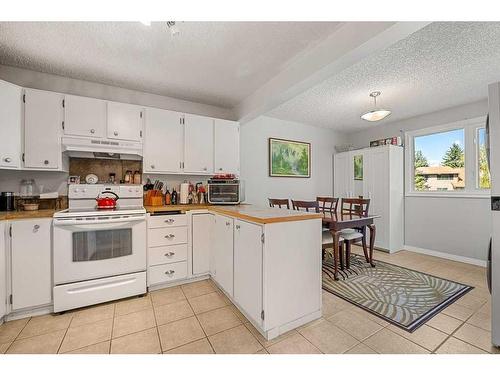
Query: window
[484, 172]
[448, 159]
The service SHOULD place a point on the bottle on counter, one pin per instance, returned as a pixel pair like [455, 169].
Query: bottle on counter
[173, 197]
[137, 178]
[168, 198]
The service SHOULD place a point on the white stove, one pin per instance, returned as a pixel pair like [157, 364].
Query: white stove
[99, 254]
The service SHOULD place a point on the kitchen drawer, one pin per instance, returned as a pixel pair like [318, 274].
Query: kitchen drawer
[85, 293]
[167, 236]
[167, 221]
[167, 254]
[166, 273]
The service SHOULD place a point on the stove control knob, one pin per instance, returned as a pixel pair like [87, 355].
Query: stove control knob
[75, 190]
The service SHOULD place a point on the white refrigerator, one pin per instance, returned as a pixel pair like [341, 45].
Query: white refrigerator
[493, 130]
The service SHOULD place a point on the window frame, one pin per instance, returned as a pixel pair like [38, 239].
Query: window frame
[471, 149]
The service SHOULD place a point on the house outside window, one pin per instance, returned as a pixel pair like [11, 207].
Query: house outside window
[448, 160]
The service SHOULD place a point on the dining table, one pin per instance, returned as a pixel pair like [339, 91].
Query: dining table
[336, 222]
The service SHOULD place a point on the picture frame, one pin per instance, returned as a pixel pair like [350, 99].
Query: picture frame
[358, 167]
[289, 158]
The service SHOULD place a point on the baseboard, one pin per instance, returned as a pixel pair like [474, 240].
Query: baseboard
[439, 254]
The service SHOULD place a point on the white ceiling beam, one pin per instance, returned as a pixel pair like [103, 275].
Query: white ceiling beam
[349, 44]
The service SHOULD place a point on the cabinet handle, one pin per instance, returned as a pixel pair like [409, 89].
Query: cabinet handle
[205, 168]
[7, 160]
[152, 166]
[36, 227]
[237, 227]
[46, 162]
[227, 223]
[169, 236]
[169, 221]
[170, 254]
[115, 133]
[168, 273]
[92, 131]
[220, 169]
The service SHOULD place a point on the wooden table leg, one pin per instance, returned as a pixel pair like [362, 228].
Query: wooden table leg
[365, 249]
[372, 242]
[335, 236]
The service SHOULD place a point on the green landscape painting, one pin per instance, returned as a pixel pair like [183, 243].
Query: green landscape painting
[289, 158]
[358, 167]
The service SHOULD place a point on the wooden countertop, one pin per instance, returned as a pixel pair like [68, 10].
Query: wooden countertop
[17, 215]
[260, 215]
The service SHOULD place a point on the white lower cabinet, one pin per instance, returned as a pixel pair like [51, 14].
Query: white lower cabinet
[31, 263]
[201, 229]
[248, 269]
[3, 272]
[223, 253]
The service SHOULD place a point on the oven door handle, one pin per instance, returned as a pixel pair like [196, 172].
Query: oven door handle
[97, 222]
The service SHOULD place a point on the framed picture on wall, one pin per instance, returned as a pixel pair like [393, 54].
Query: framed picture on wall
[289, 158]
[358, 167]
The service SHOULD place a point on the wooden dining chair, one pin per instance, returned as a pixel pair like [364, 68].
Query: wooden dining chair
[353, 208]
[279, 203]
[305, 206]
[328, 204]
[326, 236]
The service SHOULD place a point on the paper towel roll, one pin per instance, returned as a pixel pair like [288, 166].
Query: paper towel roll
[184, 193]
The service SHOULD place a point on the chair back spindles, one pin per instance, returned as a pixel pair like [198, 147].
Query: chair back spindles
[354, 207]
[279, 203]
[328, 204]
[305, 205]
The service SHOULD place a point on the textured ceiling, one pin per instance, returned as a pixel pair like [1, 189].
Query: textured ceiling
[442, 65]
[218, 63]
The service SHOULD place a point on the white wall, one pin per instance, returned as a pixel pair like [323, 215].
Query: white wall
[254, 137]
[454, 226]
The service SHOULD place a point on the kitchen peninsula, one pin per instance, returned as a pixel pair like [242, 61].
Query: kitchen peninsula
[267, 261]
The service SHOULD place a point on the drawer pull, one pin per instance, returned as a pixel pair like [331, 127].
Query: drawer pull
[170, 235]
[227, 223]
[170, 254]
[168, 273]
[169, 221]
[36, 227]
[7, 160]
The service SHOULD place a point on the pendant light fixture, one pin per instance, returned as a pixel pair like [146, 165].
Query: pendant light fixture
[376, 114]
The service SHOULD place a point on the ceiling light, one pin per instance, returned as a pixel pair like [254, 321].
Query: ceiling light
[174, 30]
[376, 114]
[146, 23]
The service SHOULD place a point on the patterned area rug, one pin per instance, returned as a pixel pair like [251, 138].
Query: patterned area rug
[403, 297]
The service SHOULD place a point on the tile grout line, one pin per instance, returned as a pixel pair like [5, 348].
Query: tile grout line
[198, 320]
[112, 329]
[65, 333]
[15, 338]
[156, 326]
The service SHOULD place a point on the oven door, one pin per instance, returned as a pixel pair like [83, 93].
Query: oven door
[91, 248]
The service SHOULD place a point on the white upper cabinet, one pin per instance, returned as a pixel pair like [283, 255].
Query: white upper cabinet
[84, 116]
[124, 122]
[227, 146]
[43, 116]
[163, 141]
[198, 144]
[10, 123]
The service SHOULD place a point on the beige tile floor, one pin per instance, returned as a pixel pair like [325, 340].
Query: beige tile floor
[198, 318]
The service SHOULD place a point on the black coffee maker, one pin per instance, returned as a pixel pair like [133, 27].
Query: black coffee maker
[6, 201]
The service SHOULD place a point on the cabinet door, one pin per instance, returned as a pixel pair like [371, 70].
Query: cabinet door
[124, 121]
[227, 146]
[84, 116]
[198, 144]
[3, 272]
[248, 268]
[31, 263]
[163, 141]
[223, 248]
[201, 228]
[43, 115]
[10, 123]
[342, 175]
[378, 190]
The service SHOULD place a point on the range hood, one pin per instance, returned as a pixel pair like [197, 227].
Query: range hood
[79, 147]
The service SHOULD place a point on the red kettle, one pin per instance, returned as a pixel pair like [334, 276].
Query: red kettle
[106, 202]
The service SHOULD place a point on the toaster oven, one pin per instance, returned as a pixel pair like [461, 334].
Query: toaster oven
[225, 191]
